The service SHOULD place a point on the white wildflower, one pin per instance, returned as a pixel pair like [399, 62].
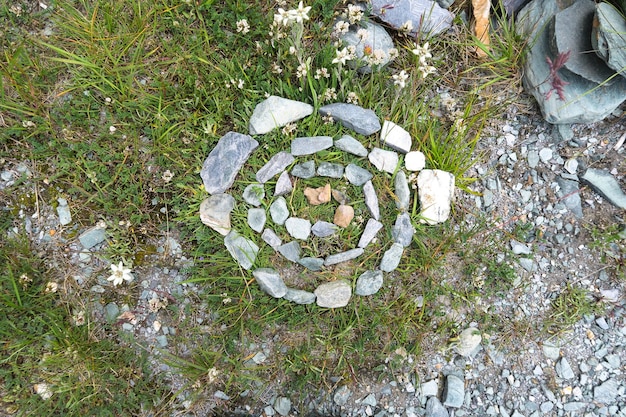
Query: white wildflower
[51, 287]
[329, 94]
[362, 34]
[425, 70]
[289, 128]
[341, 27]
[321, 73]
[342, 56]
[355, 14]
[112, 129]
[328, 119]
[243, 26]
[423, 52]
[352, 98]
[301, 13]
[377, 57]
[407, 26]
[167, 176]
[78, 318]
[301, 71]
[283, 17]
[400, 79]
[120, 274]
[43, 390]
[393, 53]
[276, 69]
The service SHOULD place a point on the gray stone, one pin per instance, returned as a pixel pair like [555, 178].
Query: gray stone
[546, 407]
[323, 229]
[391, 258]
[402, 191]
[528, 264]
[298, 228]
[333, 294]
[342, 394]
[283, 184]
[371, 229]
[545, 154]
[585, 101]
[608, 36]
[290, 250]
[377, 39]
[313, 264]
[225, 160]
[402, 231]
[363, 121]
[371, 200]
[275, 112]
[574, 406]
[551, 350]
[257, 219]
[242, 249]
[215, 212]
[533, 158]
[299, 296]
[369, 282]
[395, 137]
[606, 185]
[276, 164]
[469, 341]
[453, 392]
[92, 237]
[328, 169]
[63, 210]
[370, 400]
[271, 238]
[564, 370]
[434, 408]
[304, 170]
[279, 211]
[349, 144]
[221, 395]
[161, 340]
[427, 17]
[607, 392]
[429, 388]
[519, 248]
[569, 194]
[435, 191]
[357, 175]
[282, 405]
[111, 312]
[270, 282]
[343, 256]
[384, 160]
[253, 194]
[310, 145]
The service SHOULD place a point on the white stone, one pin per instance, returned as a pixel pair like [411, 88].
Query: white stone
[469, 339]
[215, 212]
[395, 137]
[298, 228]
[333, 294]
[435, 190]
[384, 160]
[276, 112]
[415, 161]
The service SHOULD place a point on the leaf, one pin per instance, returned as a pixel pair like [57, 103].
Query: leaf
[481, 10]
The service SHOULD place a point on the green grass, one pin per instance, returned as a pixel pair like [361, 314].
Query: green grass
[116, 109]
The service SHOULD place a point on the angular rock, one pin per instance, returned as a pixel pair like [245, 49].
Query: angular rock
[282, 405]
[283, 184]
[290, 251]
[414, 161]
[357, 175]
[363, 121]
[369, 282]
[564, 370]
[317, 196]
[242, 249]
[519, 248]
[378, 42]
[402, 191]
[402, 231]
[225, 160]
[215, 212]
[427, 17]
[569, 194]
[298, 228]
[310, 145]
[606, 185]
[341, 396]
[333, 294]
[349, 144]
[328, 169]
[299, 296]
[468, 343]
[313, 264]
[279, 211]
[276, 164]
[607, 392]
[92, 237]
[304, 170]
[608, 36]
[435, 190]
[343, 256]
[271, 238]
[454, 392]
[257, 219]
[276, 112]
[371, 229]
[391, 258]
[270, 282]
[384, 160]
[63, 210]
[254, 194]
[395, 137]
[323, 229]
[371, 199]
[343, 215]
[340, 197]
[434, 408]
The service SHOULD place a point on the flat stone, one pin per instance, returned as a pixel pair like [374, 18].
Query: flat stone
[545, 155]
[371, 200]
[415, 161]
[343, 256]
[454, 392]
[111, 312]
[607, 392]
[254, 194]
[343, 215]
[608, 36]
[276, 112]
[323, 229]
[469, 341]
[369, 282]
[340, 197]
[312, 264]
[402, 191]
[333, 294]
[282, 405]
[283, 184]
[569, 194]
[349, 144]
[357, 175]
[310, 145]
[427, 17]
[299, 296]
[298, 228]
[270, 282]
[377, 39]
[92, 237]
[391, 258]
[372, 227]
[271, 238]
[519, 248]
[242, 249]
[435, 191]
[352, 116]
[564, 370]
[528, 264]
[304, 170]
[403, 230]
[384, 160]
[225, 160]
[215, 212]
[275, 165]
[606, 185]
[317, 196]
[257, 219]
[434, 408]
[395, 137]
[290, 250]
[328, 169]
[63, 211]
[342, 395]
[430, 388]
[279, 211]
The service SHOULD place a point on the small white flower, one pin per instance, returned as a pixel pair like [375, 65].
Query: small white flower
[423, 52]
[292, 50]
[426, 70]
[276, 69]
[243, 26]
[355, 14]
[283, 17]
[352, 98]
[341, 27]
[289, 128]
[407, 26]
[43, 390]
[120, 274]
[322, 73]
[342, 56]
[362, 34]
[301, 13]
[393, 53]
[167, 176]
[240, 84]
[51, 287]
[377, 57]
[400, 79]
[112, 129]
[301, 71]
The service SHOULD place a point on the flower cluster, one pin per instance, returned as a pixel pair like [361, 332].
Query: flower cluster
[423, 55]
[287, 17]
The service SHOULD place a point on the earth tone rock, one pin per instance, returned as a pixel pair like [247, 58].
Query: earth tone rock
[343, 256]
[271, 238]
[333, 294]
[343, 215]
[369, 283]
[215, 212]
[391, 258]
[435, 191]
[276, 112]
[328, 169]
[357, 175]
[304, 170]
[313, 264]
[317, 196]
[290, 251]
[299, 296]
[283, 184]
[298, 228]
[257, 219]
[469, 340]
[608, 36]
[371, 229]
[323, 229]
[402, 191]
[279, 211]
